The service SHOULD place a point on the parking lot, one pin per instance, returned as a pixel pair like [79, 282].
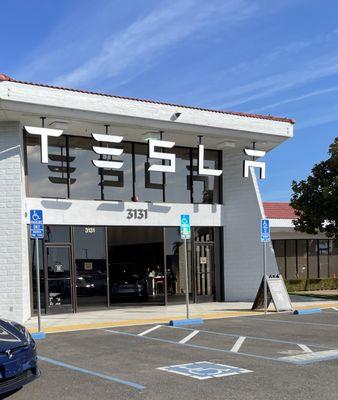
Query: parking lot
[279, 356]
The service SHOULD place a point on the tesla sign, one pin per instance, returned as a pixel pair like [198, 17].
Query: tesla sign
[154, 153]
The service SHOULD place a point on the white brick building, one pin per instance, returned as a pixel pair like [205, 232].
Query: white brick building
[111, 232]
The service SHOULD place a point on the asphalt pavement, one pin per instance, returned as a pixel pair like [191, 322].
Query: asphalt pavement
[279, 356]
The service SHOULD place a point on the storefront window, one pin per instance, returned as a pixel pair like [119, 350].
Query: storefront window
[323, 253]
[205, 188]
[136, 272]
[177, 185]
[291, 266]
[42, 273]
[91, 265]
[47, 180]
[85, 178]
[302, 258]
[148, 185]
[333, 249]
[57, 234]
[174, 253]
[117, 184]
[279, 248]
[313, 258]
[70, 173]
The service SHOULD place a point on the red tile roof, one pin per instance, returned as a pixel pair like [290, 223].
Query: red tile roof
[279, 210]
[4, 77]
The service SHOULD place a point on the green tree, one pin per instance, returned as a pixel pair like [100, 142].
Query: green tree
[315, 199]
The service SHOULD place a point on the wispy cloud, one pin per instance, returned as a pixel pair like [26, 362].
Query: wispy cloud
[145, 38]
[298, 98]
[327, 66]
[135, 47]
[304, 69]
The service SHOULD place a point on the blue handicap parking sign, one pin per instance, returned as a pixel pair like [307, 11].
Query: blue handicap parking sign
[36, 224]
[265, 230]
[204, 370]
[36, 217]
[185, 226]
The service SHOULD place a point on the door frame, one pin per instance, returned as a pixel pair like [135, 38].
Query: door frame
[211, 297]
[65, 308]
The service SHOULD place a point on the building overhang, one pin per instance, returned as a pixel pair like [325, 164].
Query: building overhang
[88, 112]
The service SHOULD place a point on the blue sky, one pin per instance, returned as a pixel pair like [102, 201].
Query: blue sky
[272, 57]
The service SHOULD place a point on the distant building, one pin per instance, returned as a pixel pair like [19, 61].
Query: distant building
[299, 255]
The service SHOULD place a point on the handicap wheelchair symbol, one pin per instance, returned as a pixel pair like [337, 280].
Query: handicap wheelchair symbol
[204, 370]
[36, 216]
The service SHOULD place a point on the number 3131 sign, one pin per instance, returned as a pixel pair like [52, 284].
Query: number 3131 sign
[136, 213]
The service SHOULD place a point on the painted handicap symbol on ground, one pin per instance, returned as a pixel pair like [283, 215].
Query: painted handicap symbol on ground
[204, 370]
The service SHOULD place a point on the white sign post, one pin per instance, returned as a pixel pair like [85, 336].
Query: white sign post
[265, 237]
[185, 234]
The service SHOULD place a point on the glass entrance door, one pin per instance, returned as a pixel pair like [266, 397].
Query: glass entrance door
[58, 282]
[204, 272]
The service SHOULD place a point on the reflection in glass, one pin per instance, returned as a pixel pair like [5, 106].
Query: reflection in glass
[136, 271]
[206, 187]
[333, 258]
[118, 184]
[291, 266]
[70, 173]
[174, 247]
[302, 258]
[323, 252]
[148, 185]
[177, 185]
[58, 262]
[47, 180]
[58, 265]
[313, 258]
[204, 270]
[85, 178]
[42, 274]
[91, 265]
[279, 249]
[57, 234]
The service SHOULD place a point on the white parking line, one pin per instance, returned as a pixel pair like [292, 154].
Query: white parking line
[149, 330]
[334, 308]
[238, 344]
[312, 357]
[305, 348]
[187, 338]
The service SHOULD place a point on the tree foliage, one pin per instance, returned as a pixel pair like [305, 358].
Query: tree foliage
[315, 199]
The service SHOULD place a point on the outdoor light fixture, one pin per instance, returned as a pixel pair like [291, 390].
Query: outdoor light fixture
[175, 116]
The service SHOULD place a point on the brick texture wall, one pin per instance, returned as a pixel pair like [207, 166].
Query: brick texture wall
[14, 271]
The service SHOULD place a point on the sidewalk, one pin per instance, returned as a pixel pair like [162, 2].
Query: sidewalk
[141, 315]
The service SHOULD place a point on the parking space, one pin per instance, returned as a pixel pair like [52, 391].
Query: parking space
[277, 356]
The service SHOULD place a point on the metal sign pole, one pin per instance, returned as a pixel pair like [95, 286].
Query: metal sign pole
[186, 277]
[265, 283]
[38, 283]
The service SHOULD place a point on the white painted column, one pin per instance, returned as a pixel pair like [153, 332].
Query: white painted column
[14, 266]
[243, 251]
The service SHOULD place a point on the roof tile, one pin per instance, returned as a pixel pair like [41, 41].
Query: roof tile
[4, 77]
[279, 210]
